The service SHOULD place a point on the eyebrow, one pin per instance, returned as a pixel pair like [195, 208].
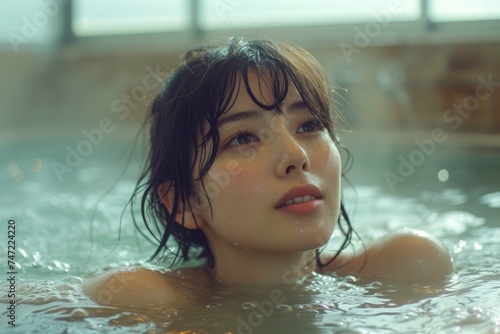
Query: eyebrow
[297, 105]
[250, 114]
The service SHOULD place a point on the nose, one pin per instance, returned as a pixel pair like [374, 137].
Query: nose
[292, 157]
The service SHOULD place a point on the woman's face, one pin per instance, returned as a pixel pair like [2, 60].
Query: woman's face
[275, 183]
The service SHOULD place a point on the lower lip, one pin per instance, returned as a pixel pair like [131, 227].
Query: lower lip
[301, 208]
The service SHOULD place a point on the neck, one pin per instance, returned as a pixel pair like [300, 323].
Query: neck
[240, 266]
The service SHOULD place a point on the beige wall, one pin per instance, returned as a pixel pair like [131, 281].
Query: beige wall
[389, 88]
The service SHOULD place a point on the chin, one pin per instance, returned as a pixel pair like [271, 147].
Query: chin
[317, 239]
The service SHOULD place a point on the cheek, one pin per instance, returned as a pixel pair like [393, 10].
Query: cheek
[235, 185]
[248, 184]
[329, 170]
[238, 198]
[328, 160]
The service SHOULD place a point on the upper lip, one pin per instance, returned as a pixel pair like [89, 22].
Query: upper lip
[307, 190]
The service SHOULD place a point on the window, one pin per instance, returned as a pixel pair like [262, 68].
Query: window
[27, 23]
[463, 10]
[35, 22]
[227, 14]
[109, 17]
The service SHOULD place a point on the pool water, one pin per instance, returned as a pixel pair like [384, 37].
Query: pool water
[69, 231]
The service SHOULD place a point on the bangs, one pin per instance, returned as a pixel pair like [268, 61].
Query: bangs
[277, 66]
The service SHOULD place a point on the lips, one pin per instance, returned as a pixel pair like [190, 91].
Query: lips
[298, 195]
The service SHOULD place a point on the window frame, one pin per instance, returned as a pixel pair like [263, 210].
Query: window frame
[421, 31]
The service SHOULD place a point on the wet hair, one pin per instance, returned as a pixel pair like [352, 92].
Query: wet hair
[183, 129]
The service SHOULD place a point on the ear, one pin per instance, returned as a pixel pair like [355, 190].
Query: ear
[192, 219]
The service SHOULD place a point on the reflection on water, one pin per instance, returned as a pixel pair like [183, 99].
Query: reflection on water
[55, 239]
[491, 200]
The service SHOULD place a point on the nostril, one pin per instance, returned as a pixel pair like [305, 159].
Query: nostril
[291, 168]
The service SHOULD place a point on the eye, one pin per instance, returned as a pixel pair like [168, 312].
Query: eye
[311, 125]
[241, 138]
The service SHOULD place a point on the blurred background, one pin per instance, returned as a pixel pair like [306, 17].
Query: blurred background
[87, 70]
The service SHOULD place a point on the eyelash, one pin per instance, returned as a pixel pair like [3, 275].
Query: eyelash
[319, 127]
[316, 122]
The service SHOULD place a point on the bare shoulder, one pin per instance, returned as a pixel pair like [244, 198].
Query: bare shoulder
[137, 288]
[409, 254]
